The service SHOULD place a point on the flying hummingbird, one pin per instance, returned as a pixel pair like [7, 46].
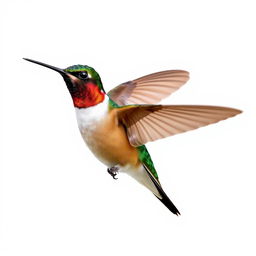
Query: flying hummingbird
[116, 125]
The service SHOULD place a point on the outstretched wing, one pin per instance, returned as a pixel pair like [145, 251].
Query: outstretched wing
[152, 122]
[149, 89]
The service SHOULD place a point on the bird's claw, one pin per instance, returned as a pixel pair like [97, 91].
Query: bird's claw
[113, 171]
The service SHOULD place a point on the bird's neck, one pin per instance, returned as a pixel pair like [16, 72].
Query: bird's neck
[88, 96]
[89, 118]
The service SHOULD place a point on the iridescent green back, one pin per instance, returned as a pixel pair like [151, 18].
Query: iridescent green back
[145, 158]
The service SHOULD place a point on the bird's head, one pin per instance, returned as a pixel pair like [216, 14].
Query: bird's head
[83, 83]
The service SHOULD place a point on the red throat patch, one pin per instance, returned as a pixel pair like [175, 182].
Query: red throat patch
[87, 96]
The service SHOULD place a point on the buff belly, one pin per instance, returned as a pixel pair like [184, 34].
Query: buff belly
[110, 145]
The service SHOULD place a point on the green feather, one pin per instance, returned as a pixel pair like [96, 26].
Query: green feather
[112, 104]
[145, 158]
[76, 68]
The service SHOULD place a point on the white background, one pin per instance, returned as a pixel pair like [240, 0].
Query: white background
[57, 199]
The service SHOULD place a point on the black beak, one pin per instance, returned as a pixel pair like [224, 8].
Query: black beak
[59, 70]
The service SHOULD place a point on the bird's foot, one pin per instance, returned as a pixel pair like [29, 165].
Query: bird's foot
[113, 171]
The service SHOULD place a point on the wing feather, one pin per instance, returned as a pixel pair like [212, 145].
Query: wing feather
[150, 88]
[152, 122]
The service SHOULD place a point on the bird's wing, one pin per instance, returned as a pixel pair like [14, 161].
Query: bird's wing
[152, 122]
[149, 89]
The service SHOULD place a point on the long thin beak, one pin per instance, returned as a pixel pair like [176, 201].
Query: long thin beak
[62, 72]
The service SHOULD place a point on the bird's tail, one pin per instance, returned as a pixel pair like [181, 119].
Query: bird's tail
[164, 198]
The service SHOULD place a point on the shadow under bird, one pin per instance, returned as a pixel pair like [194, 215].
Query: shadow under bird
[116, 125]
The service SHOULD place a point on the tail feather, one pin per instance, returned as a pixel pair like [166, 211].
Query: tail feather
[165, 199]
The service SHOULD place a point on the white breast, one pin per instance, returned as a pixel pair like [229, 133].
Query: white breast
[88, 120]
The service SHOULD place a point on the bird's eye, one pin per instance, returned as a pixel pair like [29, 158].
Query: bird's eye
[83, 75]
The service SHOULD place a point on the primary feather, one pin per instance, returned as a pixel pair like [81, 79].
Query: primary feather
[149, 89]
[146, 123]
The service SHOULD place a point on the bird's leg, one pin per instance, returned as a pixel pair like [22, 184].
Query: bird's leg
[113, 171]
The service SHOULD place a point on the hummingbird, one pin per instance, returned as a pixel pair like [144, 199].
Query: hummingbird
[117, 125]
